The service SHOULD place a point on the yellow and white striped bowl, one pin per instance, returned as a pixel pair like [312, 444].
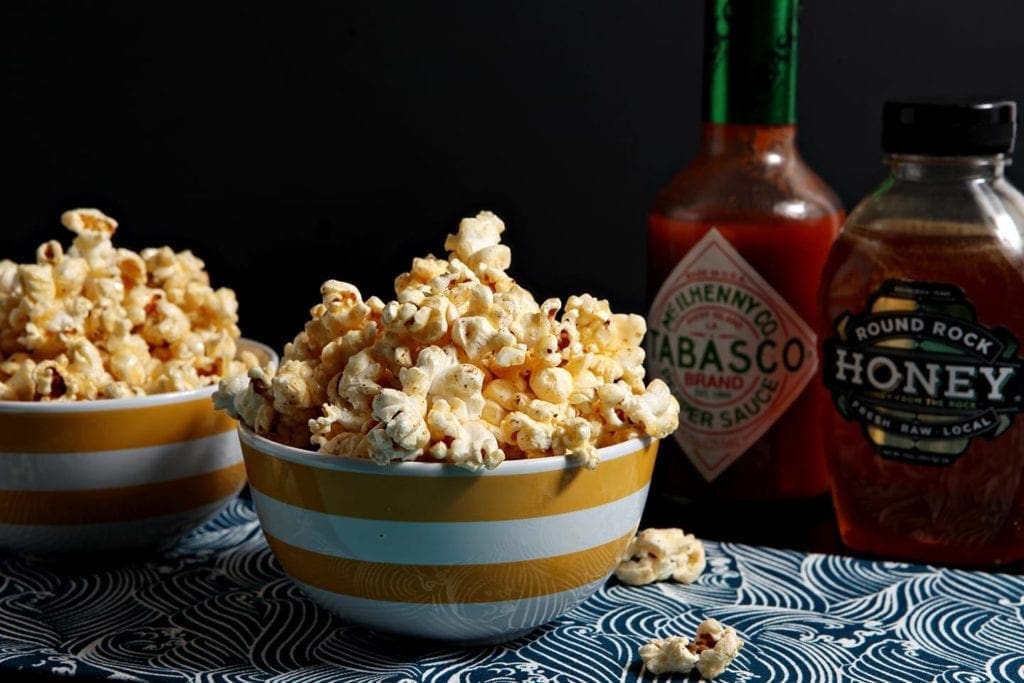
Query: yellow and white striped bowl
[434, 551]
[115, 474]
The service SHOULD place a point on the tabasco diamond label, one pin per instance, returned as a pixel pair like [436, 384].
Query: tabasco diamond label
[735, 354]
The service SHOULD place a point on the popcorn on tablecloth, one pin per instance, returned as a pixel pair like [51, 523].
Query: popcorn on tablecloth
[106, 322]
[462, 366]
[668, 655]
[710, 652]
[661, 554]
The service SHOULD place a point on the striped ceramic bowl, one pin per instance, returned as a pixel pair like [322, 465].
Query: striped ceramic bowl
[434, 551]
[115, 474]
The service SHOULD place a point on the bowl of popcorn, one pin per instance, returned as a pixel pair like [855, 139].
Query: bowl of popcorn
[108, 360]
[461, 462]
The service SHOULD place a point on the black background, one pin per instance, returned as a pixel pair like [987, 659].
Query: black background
[291, 143]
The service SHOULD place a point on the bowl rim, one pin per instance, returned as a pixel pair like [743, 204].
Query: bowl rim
[349, 463]
[132, 402]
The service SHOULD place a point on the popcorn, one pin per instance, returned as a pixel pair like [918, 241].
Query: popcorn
[660, 554]
[462, 366]
[668, 655]
[717, 646]
[711, 652]
[402, 431]
[468, 443]
[96, 321]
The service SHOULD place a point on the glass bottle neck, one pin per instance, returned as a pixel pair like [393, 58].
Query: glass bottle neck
[929, 169]
[750, 61]
[768, 142]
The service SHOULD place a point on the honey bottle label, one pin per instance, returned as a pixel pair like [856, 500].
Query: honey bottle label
[734, 352]
[921, 375]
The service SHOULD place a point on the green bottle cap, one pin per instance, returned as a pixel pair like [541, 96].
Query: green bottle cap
[750, 61]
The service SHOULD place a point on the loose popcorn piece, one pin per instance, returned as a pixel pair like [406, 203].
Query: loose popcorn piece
[668, 655]
[711, 652]
[660, 554]
[97, 321]
[463, 366]
[716, 646]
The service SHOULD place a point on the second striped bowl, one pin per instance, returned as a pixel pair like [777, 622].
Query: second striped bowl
[434, 551]
[115, 474]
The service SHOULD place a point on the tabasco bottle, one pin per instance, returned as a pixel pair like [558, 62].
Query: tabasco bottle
[737, 241]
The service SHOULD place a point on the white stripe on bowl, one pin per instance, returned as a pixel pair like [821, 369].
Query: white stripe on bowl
[122, 467]
[477, 622]
[449, 542]
[140, 533]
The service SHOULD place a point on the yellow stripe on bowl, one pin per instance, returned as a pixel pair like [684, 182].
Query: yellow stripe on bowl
[122, 503]
[462, 583]
[102, 430]
[456, 498]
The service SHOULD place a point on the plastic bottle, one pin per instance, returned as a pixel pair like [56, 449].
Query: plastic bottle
[922, 320]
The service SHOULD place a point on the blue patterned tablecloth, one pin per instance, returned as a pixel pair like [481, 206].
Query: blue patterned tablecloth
[218, 608]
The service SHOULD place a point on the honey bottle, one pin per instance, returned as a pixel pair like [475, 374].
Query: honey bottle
[922, 321]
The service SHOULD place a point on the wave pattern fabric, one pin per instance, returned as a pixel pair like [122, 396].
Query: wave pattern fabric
[218, 608]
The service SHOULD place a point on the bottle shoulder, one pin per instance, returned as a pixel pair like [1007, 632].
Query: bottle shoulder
[976, 206]
[745, 187]
[970, 234]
